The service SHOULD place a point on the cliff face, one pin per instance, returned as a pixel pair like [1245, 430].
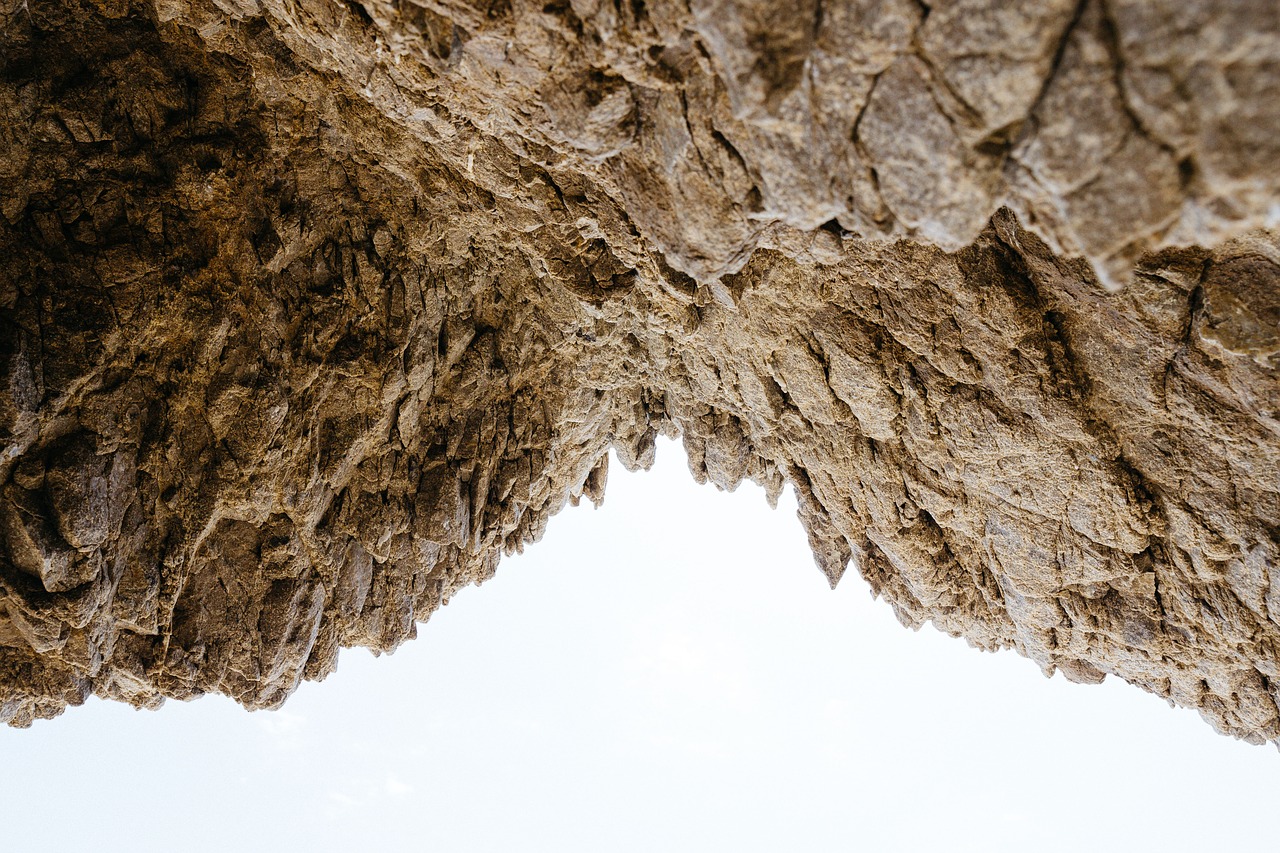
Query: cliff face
[311, 310]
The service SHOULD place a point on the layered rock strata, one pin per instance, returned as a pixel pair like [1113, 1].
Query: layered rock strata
[310, 310]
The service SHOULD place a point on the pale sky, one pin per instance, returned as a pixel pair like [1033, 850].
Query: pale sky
[667, 673]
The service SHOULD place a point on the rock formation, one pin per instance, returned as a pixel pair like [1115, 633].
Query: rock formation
[311, 309]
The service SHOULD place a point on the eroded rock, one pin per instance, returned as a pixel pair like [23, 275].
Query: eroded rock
[312, 311]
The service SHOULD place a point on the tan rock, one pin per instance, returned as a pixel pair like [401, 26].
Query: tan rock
[311, 311]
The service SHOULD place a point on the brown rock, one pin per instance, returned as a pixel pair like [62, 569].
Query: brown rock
[311, 311]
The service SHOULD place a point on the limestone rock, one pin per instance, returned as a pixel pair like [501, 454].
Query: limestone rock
[310, 311]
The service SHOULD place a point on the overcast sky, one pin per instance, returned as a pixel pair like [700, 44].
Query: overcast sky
[667, 673]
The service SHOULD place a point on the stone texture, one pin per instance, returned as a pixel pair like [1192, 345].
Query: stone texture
[310, 310]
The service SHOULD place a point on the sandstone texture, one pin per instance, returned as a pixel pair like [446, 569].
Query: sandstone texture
[312, 309]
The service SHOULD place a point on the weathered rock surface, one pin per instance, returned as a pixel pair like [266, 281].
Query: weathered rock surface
[309, 310]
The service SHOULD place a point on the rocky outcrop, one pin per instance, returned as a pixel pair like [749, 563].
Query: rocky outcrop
[311, 310]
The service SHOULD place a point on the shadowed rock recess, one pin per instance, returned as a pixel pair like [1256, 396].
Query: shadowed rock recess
[310, 310]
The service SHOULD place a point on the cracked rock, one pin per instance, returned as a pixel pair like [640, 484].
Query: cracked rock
[310, 312]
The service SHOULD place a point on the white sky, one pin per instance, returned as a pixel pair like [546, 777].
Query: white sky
[667, 673]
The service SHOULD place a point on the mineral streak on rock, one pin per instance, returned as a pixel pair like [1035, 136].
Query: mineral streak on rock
[311, 309]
